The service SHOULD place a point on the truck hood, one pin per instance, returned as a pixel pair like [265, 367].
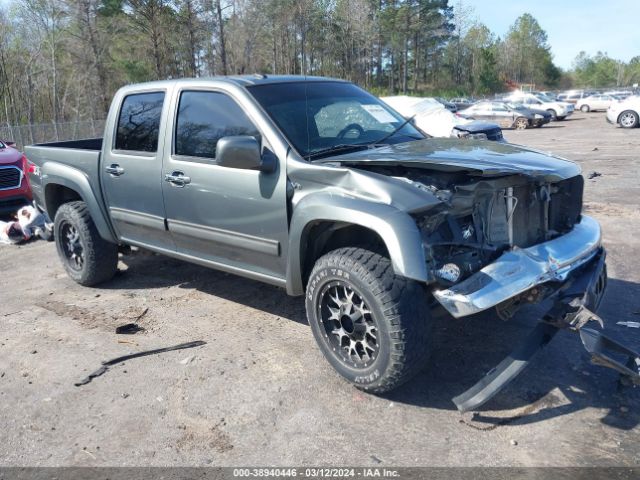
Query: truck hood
[479, 157]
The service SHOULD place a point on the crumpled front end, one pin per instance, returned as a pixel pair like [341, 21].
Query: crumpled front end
[521, 269]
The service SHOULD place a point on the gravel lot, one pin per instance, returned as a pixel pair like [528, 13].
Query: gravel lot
[259, 392]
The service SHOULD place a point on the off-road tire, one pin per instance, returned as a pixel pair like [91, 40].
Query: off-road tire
[399, 307]
[100, 257]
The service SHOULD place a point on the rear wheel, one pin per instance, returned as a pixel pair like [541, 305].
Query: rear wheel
[585, 108]
[628, 119]
[370, 324]
[521, 123]
[86, 256]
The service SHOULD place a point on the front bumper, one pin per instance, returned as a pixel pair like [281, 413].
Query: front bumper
[520, 269]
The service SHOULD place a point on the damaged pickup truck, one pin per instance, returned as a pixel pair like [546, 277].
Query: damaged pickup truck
[314, 185]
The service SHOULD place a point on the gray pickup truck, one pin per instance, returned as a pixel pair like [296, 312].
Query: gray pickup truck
[314, 185]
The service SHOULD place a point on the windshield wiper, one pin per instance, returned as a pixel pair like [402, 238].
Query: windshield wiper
[338, 148]
[396, 130]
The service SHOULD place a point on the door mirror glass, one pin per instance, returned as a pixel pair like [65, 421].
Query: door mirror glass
[242, 151]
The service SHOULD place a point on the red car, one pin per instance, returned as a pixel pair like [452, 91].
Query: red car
[15, 190]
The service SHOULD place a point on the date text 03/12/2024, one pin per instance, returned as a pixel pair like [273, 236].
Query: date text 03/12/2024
[368, 472]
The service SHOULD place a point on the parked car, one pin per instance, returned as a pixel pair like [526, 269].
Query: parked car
[595, 102]
[461, 103]
[431, 117]
[625, 113]
[318, 187]
[550, 95]
[619, 94]
[447, 104]
[15, 190]
[558, 110]
[507, 115]
[572, 96]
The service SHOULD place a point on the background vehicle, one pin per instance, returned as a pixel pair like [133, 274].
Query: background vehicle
[625, 113]
[431, 117]
[558, 110]
[595, 102]
[572, 96]
[506, 115]
[316, 186]
[461, 103]
[15, 190]
[452, 107]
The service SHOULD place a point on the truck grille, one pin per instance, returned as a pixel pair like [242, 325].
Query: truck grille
[10, 177]
[538, 213]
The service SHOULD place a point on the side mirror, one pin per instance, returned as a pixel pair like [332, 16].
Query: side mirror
[243, 151]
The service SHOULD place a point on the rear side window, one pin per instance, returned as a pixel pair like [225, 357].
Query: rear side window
[206, 117]
[139, 122]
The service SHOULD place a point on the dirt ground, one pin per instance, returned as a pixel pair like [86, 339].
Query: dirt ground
[260, 393]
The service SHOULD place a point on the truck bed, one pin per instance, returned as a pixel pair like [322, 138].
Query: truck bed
[82, 155]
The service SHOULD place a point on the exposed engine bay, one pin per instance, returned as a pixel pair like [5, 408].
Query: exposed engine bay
[479, 217]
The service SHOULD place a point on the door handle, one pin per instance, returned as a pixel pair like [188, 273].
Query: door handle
[114, 170]
[177, 179]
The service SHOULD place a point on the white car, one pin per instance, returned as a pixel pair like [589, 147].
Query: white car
[435, 120]
[430, 115]
[558, 110]
[595, 102]
[625, 113]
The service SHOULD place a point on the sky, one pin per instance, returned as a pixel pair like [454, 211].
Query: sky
[611, 26]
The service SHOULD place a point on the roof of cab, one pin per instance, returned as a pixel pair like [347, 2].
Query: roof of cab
[240, 80]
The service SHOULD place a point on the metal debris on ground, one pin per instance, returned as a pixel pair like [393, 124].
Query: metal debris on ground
[108, 363]
[594, 175]
[129, 329]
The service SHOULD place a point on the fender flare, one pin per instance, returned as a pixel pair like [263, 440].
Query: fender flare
[58, 174]
[397, 229]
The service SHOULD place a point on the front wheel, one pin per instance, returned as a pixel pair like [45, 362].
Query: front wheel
[628, 119]
[86, 256]
[370, 324]
[554, 114]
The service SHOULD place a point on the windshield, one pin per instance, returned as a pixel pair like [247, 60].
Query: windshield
[319, 118]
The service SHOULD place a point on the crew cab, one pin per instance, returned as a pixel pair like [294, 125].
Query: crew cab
[316, 186]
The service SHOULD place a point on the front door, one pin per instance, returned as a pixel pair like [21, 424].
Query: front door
[131, 171]
[227, 216]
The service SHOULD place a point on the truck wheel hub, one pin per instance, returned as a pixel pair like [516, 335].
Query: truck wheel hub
[349, 327]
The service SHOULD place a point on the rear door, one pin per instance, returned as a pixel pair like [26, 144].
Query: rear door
[132, 167]
[226, 216]
[502, 115]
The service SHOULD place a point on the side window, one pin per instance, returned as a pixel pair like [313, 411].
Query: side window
[206, 117]
[139, 122]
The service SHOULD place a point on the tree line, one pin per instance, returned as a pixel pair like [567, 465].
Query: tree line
[62, 60]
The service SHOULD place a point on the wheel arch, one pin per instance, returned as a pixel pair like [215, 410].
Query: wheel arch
[62, 184]
[325, 222]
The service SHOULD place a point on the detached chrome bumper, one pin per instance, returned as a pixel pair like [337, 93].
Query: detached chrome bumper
[520, 269]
